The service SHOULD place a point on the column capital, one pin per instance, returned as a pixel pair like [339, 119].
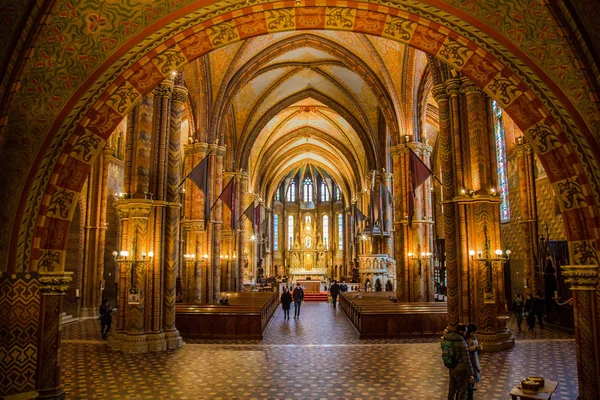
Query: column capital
[468, 87]
[164, 89]
[453, 87]
[439, 93]
[581, 277]
[55, 282]
[180, 94]
[134, 208]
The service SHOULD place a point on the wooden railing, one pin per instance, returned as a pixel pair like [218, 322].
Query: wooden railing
[374, 315]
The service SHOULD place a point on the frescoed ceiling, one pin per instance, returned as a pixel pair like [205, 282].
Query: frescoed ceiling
[323, 96]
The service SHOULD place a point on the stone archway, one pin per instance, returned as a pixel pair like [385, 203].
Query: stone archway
[86, 133]
[53, 151]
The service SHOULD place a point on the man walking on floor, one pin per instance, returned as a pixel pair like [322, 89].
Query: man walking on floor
[298, 298]
[334, 291]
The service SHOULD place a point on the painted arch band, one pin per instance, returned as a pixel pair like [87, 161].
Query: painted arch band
[552, 144]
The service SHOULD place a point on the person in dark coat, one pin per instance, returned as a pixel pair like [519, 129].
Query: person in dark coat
[537, 308]
[530, 319]
[463, 374]
[286, 301]
[334, 291]
[105, 318]
[518, 306]
[474, 349]
[298, 298]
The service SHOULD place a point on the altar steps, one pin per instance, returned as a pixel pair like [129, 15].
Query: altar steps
[315, 296]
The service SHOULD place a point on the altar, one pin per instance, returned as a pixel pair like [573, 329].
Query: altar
[310, 286]
[307, 257]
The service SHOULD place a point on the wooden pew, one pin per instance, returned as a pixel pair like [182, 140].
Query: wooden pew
[374, 315]
[246, 317]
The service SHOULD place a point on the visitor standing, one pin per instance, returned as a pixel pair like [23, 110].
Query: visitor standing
[343, 287]
[105, 318]
[298, 298]
[286, 301]
[474, 348]
[462, 374]
[537, 308]
[518, 307]
[334, 290]
[530, 319]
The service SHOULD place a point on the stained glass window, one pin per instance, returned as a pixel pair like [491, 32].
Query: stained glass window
[338, 194]
[340, 232]
[290, 231]
[324, 192]
[276, 232]
[501, 158]
[278, 194]
[307, 190]
[291, 192]
[326, 231]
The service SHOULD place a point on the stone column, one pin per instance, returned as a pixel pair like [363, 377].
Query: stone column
[245, 200]
[94, 237]
[528, 208]
[172, 216]
[414, 275]
[585, 287]
[217, 219]
[194, 228]
[471, 213]
[53, 286]
[136, 280]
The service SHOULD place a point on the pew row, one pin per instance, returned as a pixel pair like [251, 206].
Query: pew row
[246, 317]
[374, 316]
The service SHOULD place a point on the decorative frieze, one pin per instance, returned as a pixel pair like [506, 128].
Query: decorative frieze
[581, 277]
[55, 282]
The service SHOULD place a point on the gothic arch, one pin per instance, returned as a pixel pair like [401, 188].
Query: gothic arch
[316, 133]
[559, 123]
[367, 137]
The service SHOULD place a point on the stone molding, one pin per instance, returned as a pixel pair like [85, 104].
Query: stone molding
[581, 277]
[55, 282]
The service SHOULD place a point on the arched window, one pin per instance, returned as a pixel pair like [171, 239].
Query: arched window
[307, 190]
[290, 231]
[278, 194]
[338, 193]
[324, 192]
[291, 192]
[276, 232]
[326, 231]
[501, 159]
[340, 232]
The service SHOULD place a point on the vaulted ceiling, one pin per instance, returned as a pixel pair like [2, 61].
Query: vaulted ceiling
[336, 100]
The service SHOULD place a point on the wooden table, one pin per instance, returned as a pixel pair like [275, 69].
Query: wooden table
[544, 393]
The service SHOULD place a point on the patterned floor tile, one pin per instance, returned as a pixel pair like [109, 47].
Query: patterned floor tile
[318, 356]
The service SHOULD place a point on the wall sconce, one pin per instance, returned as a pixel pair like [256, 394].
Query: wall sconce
[519, 140]
[499, 255]
[419, 257]
[205, 257]
[122, 257]
[189, 257]
[363, 237]
[252, 238]
[493, 192]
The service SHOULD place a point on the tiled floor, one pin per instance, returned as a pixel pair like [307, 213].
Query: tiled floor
[316, 357]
